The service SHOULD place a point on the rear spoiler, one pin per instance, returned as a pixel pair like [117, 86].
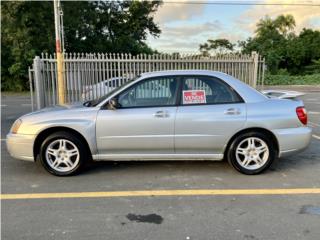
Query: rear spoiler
[282, 94]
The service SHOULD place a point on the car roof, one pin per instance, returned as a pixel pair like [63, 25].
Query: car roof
[182, 72]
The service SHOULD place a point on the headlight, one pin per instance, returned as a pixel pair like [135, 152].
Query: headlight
[16, 125]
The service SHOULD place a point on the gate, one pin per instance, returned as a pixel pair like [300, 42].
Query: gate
[89, 76]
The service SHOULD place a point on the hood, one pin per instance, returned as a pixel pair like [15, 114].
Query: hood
[57, 108]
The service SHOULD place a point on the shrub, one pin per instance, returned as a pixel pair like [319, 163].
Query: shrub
[312, 79]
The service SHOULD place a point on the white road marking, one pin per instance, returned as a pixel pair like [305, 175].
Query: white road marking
[3, 105]
[314, 113]
[316, 137]
[26, 104]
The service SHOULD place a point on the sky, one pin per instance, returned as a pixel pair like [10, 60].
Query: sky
[184, 25]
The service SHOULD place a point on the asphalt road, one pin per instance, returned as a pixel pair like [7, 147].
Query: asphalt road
[212, 216]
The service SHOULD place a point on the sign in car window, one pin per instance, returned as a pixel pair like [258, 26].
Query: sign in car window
[194, 97]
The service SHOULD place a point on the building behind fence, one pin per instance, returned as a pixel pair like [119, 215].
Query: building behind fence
[99, 73]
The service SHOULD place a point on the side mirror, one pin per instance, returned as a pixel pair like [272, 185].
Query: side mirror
[113, 104]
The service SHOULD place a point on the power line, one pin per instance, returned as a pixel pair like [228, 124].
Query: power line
[242, 3]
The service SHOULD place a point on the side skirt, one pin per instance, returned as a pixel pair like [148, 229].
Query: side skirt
[156, 157]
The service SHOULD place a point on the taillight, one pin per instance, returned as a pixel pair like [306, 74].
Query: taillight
[302, 115]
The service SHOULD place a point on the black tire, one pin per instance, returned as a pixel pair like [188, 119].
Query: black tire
[231, 154]
[81, 147]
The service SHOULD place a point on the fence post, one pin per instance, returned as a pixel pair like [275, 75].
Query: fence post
[255, 57]
[263, 71]
[38, 82]
[31, 89]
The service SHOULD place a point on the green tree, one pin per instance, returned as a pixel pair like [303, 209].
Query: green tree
[26, 31]
[282, 48]
[285, 24]
[220, 46]
[109, 26]
[271, 37]
[281, 25]
[309, 41]
[90, 26]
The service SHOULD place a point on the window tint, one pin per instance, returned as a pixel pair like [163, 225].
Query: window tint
[207, 90]
[152, 92]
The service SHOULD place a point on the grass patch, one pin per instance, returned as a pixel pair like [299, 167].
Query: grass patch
[313, 79]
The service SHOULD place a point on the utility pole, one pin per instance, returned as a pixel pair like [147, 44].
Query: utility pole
[57, 24]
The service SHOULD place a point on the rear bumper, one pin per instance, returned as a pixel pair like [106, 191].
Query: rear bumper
[293, 140]
[20, 146]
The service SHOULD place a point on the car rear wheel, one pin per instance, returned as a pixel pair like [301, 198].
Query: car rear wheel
[251, 153]
[62, 154]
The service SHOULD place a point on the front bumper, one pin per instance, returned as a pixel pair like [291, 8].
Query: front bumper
[20, 146]
[293, 140]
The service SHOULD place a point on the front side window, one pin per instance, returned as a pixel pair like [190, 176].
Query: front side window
[159, 91]
[207, 90]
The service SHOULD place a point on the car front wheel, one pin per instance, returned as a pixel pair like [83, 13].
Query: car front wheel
[63, 154]
[251, 153]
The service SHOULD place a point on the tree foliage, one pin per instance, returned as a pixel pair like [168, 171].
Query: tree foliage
[283, 49]
[90, 26]
[219, 46]
[26, 31]
[104, 26]
[123, 26]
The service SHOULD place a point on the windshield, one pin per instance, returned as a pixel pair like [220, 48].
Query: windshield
[97, 101]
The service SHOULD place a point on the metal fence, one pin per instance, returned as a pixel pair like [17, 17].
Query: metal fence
[92, 75]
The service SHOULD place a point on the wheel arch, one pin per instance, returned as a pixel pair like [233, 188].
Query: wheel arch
[48, 131]
[254, 129]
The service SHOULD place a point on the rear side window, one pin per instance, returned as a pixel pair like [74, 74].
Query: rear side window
[207, 90]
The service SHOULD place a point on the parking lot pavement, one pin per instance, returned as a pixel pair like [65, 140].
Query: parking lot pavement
[174, 216]
[312, 102]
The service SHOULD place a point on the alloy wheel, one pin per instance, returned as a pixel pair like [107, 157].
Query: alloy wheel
[252, 153]
[62, 155]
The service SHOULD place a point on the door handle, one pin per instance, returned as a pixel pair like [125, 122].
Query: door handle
[161, 114]
[232, 111]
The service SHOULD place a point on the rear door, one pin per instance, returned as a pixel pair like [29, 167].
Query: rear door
[210, 112]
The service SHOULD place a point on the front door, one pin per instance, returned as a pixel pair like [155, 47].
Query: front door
[209, 114]
[144, 121]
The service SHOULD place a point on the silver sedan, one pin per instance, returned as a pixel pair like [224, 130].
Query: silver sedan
[169, 115]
